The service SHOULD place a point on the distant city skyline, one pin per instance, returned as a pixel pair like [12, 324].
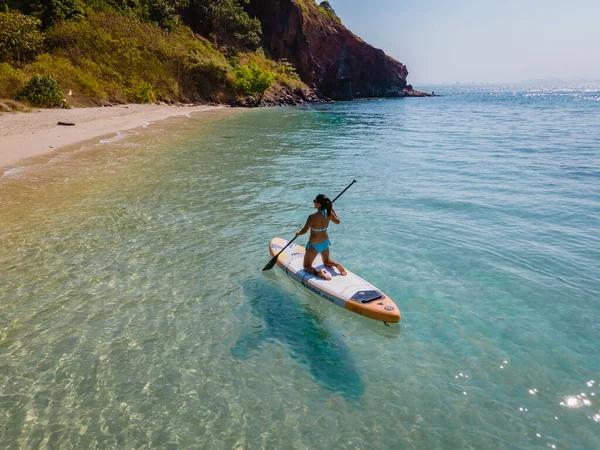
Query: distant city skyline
[470, 41]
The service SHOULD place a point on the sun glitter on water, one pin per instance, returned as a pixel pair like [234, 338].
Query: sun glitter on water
[576, 401]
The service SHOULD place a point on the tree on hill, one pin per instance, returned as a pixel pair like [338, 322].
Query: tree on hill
[165, 13]
[326, 8]
[226, 21]
[20, 37]
[53, 11]
[252, 80]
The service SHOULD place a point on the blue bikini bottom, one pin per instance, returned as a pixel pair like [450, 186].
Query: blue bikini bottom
[320, 247]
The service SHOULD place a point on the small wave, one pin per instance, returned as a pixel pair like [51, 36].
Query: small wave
[112, 139]
[13, 171]
[58, 158]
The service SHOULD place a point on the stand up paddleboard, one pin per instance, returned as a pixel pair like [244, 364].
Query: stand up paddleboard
[350, 292]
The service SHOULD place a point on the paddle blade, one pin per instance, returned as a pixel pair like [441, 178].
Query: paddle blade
[271, 263]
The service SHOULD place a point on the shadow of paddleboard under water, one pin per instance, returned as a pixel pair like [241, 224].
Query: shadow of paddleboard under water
[285, 320]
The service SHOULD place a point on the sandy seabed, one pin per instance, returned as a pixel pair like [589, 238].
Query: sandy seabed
[26, 135]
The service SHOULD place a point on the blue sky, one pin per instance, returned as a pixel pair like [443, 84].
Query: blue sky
[481, 41]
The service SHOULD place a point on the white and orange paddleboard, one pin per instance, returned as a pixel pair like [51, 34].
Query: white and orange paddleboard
[350, 292]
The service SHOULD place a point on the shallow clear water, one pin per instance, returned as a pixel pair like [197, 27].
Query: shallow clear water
[134, 312]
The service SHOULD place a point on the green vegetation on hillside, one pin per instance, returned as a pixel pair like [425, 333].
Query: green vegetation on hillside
[20, 37]
[225, 21]
[54, 11]
[252, 80]
[326, 8]
[42, 91]
[115, 51]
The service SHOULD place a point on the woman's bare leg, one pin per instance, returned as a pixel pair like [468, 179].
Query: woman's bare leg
[309, 257]
[331, 263]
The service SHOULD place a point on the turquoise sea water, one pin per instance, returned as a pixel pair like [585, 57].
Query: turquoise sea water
[134, 312]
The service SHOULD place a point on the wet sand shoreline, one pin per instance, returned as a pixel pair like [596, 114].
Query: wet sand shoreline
[37, 133]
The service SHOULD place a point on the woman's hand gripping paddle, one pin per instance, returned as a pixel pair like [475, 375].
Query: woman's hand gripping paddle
[271, 263]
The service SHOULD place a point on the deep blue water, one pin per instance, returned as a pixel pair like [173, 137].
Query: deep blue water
[134, 312]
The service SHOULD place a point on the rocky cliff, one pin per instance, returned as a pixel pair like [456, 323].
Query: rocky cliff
[327, 56]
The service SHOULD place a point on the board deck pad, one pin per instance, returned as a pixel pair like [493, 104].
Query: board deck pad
[350, 291]
[366, 296]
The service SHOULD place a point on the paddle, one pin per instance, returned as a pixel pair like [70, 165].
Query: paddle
[271, 263]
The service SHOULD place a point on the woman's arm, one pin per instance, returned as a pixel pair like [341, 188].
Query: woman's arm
[306, 226]
[334, 217]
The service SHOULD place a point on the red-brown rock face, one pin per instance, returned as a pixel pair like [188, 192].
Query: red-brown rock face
[326, 54]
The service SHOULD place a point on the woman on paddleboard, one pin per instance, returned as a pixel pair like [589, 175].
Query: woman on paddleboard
[319, 240]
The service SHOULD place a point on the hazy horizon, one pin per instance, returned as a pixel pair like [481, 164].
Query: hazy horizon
[535, 81]
[482, 42]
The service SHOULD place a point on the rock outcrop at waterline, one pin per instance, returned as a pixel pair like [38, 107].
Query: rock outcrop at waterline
[328, 57]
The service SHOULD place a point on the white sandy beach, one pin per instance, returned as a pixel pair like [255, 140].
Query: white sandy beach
[25, 135]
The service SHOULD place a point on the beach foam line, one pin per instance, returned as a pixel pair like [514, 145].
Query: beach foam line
[13, 171]
[116, 138]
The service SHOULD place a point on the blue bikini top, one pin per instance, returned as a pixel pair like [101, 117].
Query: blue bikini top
[324, 212]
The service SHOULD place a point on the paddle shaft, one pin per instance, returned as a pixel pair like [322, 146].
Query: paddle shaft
[340, 194]
[271, 263]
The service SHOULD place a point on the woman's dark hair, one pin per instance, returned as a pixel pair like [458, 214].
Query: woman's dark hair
[325, 203]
